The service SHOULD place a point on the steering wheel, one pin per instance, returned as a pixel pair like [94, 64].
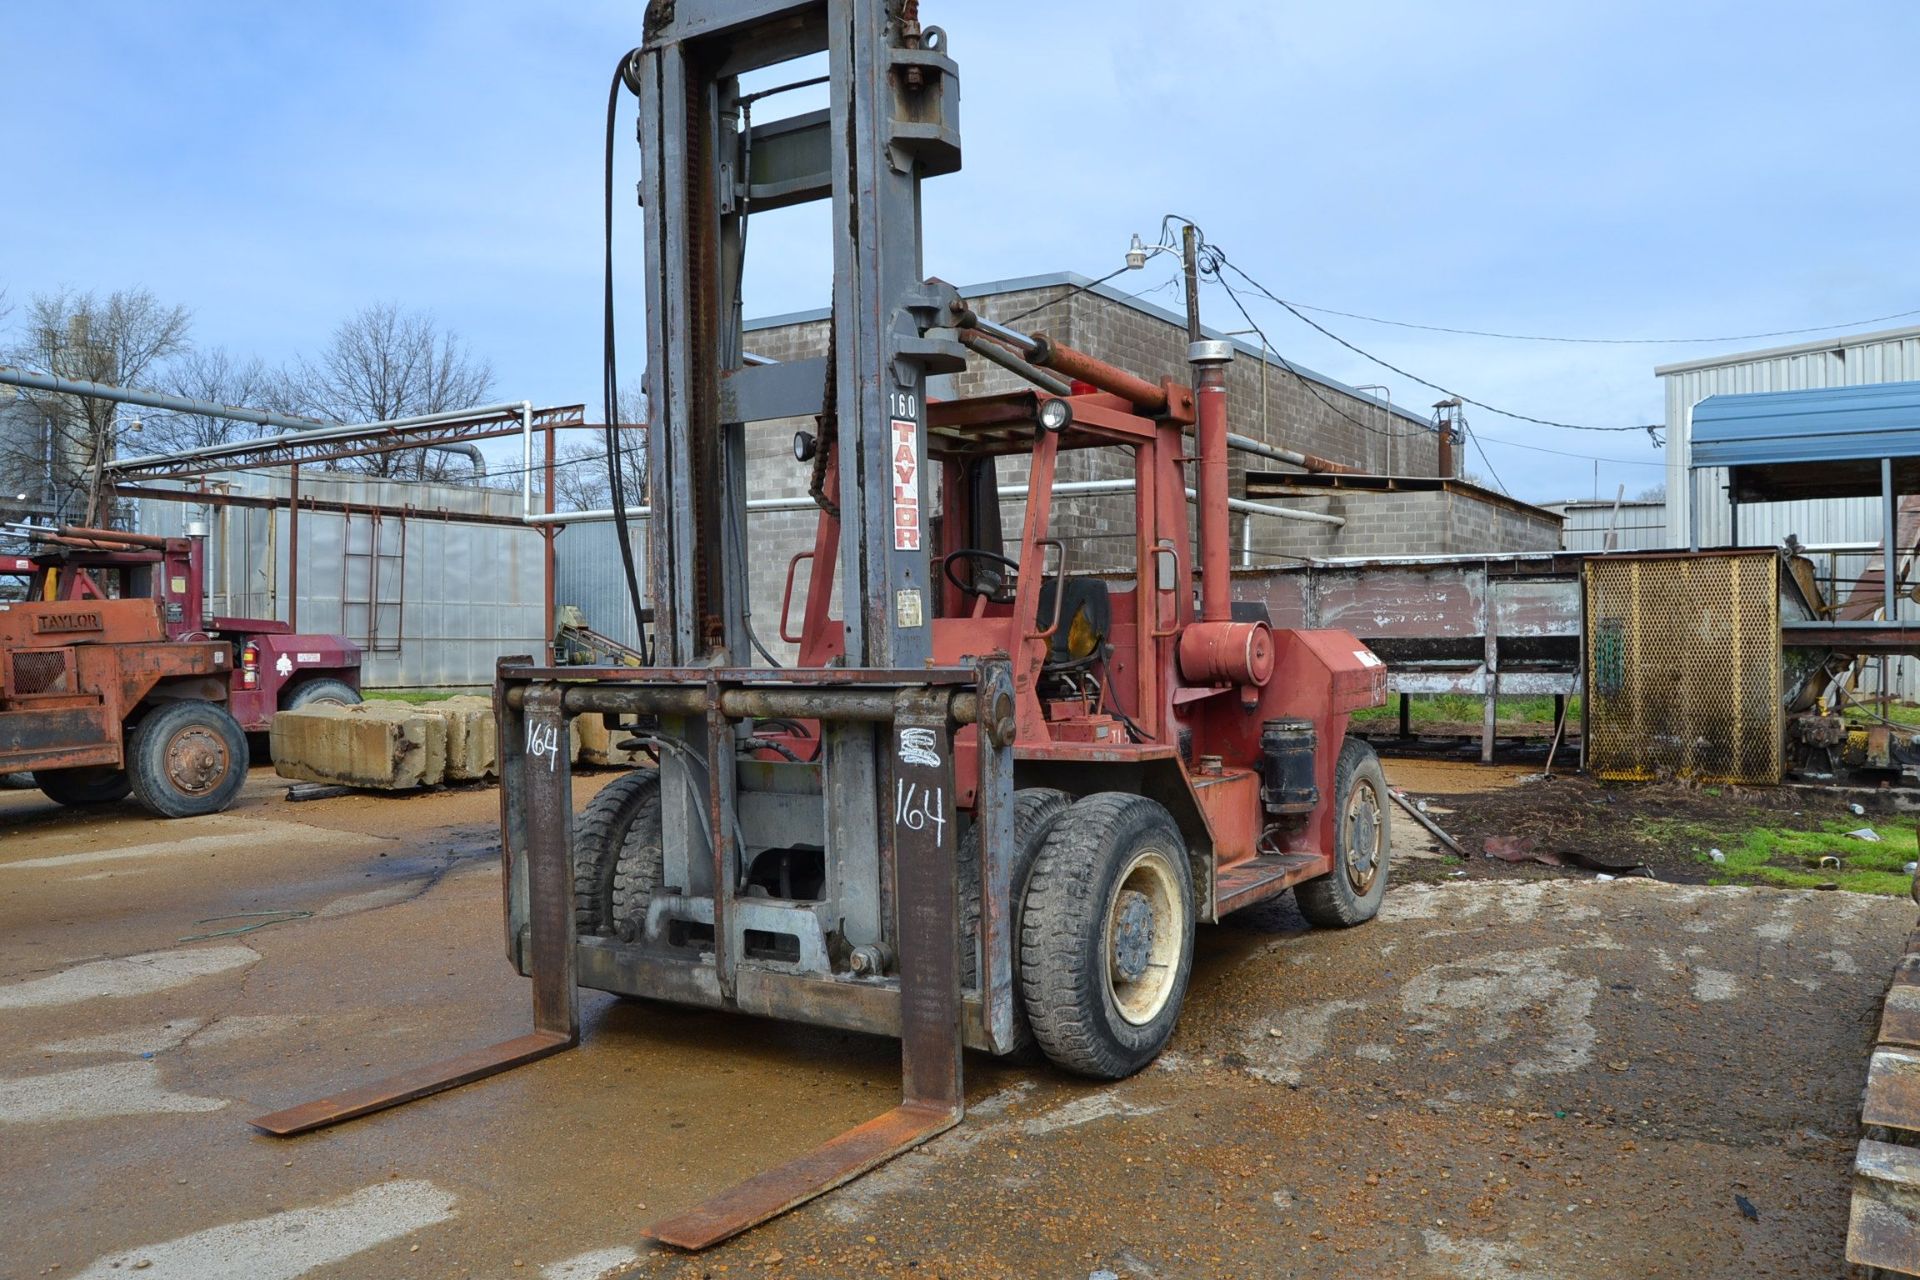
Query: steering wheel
[998, 587]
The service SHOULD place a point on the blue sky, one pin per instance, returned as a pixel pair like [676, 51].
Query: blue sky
[1620, 169]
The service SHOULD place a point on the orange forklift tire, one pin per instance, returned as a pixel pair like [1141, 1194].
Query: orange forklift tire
[1363, 841]
[186, 759]
[85, 787]
[1106, 939]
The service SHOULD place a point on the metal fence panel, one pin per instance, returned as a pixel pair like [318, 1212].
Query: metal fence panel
[1683, 667]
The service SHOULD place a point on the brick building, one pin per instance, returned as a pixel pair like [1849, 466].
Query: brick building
[1270, 400]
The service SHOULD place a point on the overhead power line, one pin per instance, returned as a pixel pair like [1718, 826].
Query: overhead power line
[1614, 342]
[1565, 453]
[1211, 261]
[1302, 379]
[1077, 289]
[1310, 322]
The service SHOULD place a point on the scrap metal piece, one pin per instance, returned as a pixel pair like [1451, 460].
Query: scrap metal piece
[1433, 828]
[1522, 849]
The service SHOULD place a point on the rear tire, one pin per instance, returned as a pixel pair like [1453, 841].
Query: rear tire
[1106, 938]
[85, 787]
[309, 693]
[1363, 839]
[617, 857]
[186, 759]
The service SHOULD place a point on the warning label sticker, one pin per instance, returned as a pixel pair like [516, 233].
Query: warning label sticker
[906, 486]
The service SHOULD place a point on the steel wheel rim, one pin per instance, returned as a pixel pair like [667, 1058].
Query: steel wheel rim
[1366, 829]
[1142, 936]
[196, 760]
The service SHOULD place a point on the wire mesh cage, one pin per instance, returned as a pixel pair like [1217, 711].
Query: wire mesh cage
[1683, 667]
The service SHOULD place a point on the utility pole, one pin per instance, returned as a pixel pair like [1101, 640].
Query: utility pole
[1190, 254]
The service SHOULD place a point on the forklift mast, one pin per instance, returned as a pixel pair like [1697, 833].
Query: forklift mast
[892, 121]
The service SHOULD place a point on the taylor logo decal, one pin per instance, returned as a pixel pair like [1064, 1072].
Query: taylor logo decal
[906, 486]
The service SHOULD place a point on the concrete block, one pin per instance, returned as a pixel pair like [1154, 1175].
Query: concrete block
[473, 738]
[596, 739]
[382, 745]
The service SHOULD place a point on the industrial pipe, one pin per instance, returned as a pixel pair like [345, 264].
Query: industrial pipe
[1209, 358]
[1041, 350]
[152, 540]
[1149, 398]
[1060, 489]
[1305, 461]
[10, 375]
[40, 533]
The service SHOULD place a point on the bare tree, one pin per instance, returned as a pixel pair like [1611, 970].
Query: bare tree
[580, 480]
[217, 376]
[385, 363]
[117, 339]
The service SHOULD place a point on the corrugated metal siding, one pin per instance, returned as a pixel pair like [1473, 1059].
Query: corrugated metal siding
[1641, 526]
[1847, 362]
[465, 594]
[588, 576]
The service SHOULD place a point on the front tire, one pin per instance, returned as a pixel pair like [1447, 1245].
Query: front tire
[1106, 937]
[1363, 839]
[1035, 810]
[320, 693]
[83, 788]
[187, 759]
[618, 857]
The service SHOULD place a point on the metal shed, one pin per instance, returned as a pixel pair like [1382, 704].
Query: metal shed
[1825, 442]
[1821, 443]
[1848, 360]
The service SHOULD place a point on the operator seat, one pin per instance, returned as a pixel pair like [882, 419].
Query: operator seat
[1086, 619]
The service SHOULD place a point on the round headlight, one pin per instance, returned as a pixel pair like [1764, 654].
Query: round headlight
[804, 447]
[1055, 415]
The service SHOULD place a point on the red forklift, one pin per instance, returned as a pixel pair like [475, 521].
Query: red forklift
[993, 797]
[114, 682]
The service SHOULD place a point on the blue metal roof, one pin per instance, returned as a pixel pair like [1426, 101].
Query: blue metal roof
[1822, 424]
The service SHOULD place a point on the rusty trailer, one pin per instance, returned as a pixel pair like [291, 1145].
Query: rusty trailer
[1488, 626]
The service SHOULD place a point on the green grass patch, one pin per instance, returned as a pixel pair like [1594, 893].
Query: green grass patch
[1458, 708]
[1898, 712]
[428, 695]
[1790, 857]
